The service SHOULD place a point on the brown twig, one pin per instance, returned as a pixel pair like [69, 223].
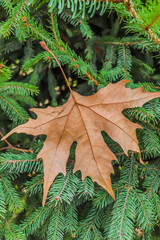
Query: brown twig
[53, 29]
[92, 79]
[120, 43]
[17, 149]
[23, 160]
[12, 147]
[5, 140]
[154, 20]
[130, 7]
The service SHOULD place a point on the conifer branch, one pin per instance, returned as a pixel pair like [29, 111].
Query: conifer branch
[15, 203]
[91, 224]
[131, 168]
[141, 205]
[121, 43]
[155, 127]
[125, 73]
[78, 20]
[123, 214]
[151, 138]
[37, 216]
[71, 216]
[148, 30]
[114, 1]
[40, 181]
[156, 202]
[56, 226]
[124, 57]
[153, 21]
[153, 36]
[109, 60]
[92, 79]
[10, 230]
[127, 195]
[38, 33]
[19, 87]
[19, 10]
[54, 28]
[65, 183]
[151, 187]
[9, 103]
[8, 4]
[23, 160]
[61, 48]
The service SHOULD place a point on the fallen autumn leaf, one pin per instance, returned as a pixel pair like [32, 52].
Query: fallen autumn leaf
[82, 119]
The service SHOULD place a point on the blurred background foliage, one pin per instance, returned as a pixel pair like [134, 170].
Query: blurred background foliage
[109, 48]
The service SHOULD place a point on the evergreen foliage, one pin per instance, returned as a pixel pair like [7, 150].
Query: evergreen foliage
[12, 94]
[96, 42]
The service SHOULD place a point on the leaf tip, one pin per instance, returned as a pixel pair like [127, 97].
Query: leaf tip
[113, 196]
[44, 200]
[4, 137]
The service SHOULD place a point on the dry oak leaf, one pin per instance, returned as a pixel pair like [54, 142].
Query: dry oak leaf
[82, 119]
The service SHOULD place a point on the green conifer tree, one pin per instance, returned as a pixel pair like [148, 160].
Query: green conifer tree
[96, 42]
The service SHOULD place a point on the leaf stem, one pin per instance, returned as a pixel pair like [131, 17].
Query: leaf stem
[44, 46]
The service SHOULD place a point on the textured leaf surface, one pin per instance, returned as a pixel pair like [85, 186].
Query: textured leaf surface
[82, 119]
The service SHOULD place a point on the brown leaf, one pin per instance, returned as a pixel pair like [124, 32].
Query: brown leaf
[82, 119]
